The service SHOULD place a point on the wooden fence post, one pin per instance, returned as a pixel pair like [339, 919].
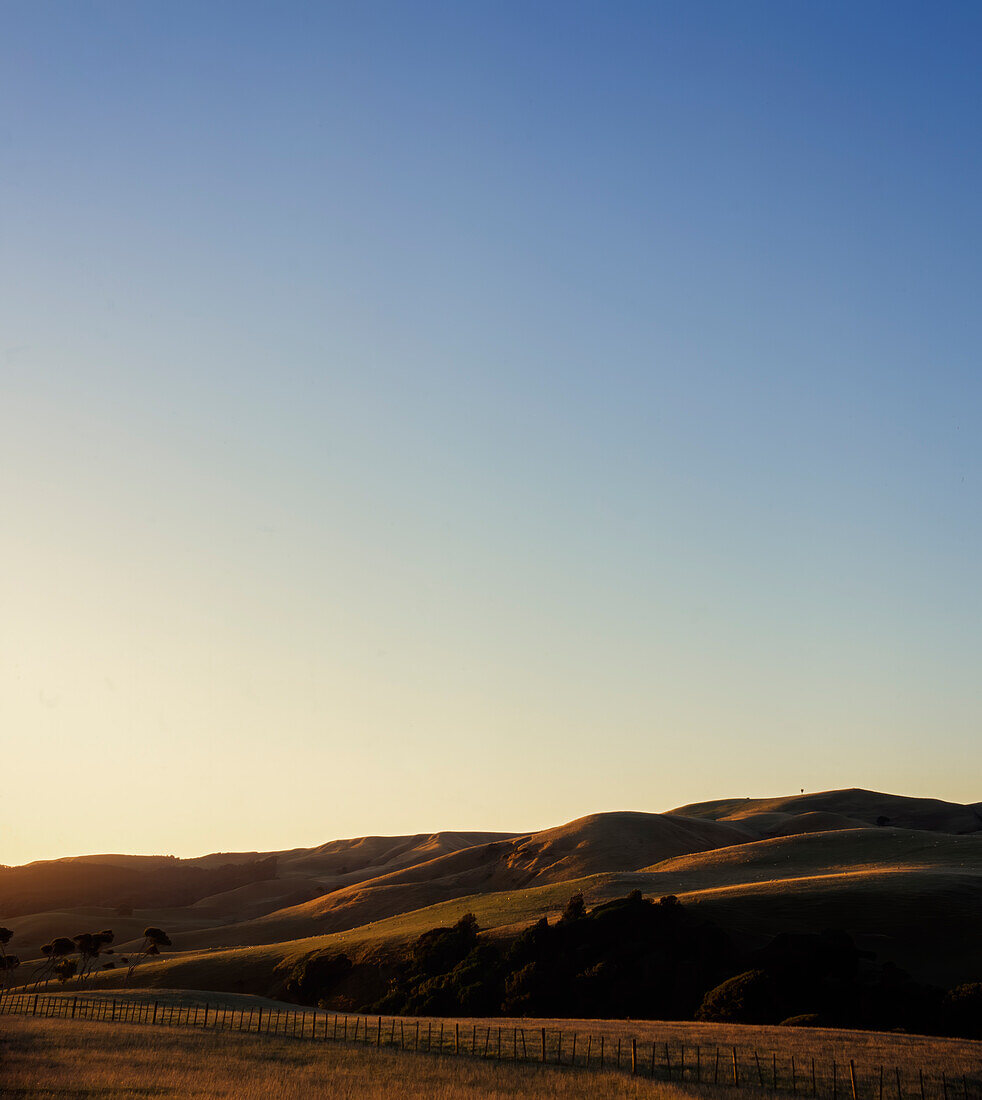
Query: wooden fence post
[634, 1057]
[716, 1067]
[456, 1039]
[921, 1075]
[601, 1051]
[736, 1074]
[900, 1094]
[760, 1076]
[572, 1057]
[668, 1062]
[205, 1023]
[852, 1078]
[543, 1044]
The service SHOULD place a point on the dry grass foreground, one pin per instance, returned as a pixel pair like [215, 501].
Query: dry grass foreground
[55, 1058]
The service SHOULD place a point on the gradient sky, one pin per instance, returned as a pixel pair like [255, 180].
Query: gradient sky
[430, 416]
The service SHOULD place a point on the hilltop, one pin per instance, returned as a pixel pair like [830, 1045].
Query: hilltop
[902, 875]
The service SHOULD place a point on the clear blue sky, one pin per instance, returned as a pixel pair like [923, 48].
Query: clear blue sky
[477, 415]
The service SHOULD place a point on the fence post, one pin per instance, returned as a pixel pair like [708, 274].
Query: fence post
[525, 1053]
[456, 1038]
[543, 1044]
[668, 1062]
[572, 1057]
[835, 1082]
[921, 1074]
[74, 1006]
[852, 1078]
[559, 1050]
[774, 1071]
[205, 1024]
[601, 1052]
[900, 1095]
[736, 1074]
[760, 1076]
[634, 1057]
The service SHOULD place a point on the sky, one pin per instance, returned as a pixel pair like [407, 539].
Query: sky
[474, 416]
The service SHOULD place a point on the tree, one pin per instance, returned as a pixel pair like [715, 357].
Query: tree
[748, 998]
[91, 946]
[575, 909]
[65, 969]
[8, 963]
[153, 940]
[53, 953]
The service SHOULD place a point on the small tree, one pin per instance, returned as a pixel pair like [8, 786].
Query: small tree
[8, 963]
[91, 946]
[575, 909]
[153, 940]
[65, 969]
[53, 953]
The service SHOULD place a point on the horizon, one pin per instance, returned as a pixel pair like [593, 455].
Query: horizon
[470, 414]
[460, 829]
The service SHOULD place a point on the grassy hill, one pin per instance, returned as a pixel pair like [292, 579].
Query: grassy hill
[909, 887]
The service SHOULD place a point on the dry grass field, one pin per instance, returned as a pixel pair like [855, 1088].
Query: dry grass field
[811, 1061]
[54, 1058]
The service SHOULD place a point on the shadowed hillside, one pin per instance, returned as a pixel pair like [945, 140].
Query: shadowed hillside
[902, 875]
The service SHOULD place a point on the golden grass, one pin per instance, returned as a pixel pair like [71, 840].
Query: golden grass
[52, 1058]
[689, 1044]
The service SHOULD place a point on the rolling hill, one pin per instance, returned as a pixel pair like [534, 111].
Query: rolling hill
[903, 875]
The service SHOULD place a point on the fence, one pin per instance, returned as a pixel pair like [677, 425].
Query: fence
[747, 1067]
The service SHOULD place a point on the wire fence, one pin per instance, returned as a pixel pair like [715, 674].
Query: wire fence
[746, 1067]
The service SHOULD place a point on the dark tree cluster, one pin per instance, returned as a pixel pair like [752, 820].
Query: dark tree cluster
[640, 958]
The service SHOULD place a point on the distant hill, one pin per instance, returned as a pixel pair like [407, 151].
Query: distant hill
[902, 874]
[763, 815]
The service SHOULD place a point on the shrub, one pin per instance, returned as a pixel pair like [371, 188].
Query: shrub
[313, 977]
[748, 998]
